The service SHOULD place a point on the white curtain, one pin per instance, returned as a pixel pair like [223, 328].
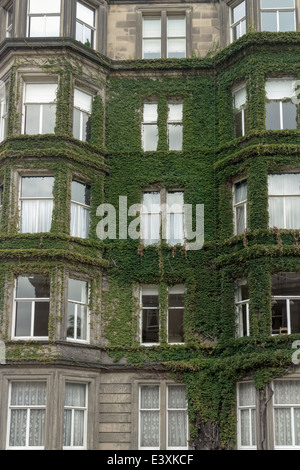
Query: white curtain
[149, 416]
[74, 418]
[177, 417]
[25, 397]
[151, 218]
[175, 228]
[287, 392]
[36, 216]
[80, 221]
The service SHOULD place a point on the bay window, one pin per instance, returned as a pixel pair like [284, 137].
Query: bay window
[44, 18]
[278, 15]
[240, 206]
[284, 200]
[281, 111]
[242, 308]
[246, 406]
[39, 108]
[285, 303]
[27, 414]
[77, 326]
[80, 209]
[239, 106]
[31, 307]
[36, 203]
[81, 114]
[238, 21]
[75, 416]
[151, 414]
[175, 126]
[85, 24]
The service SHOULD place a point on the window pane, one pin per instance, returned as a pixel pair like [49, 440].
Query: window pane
[32, 119]
[38, 6]
[176, 48]
[287, 284]
[77, 290]
[71, 321]
[79, 31]
[278, 89]
[292, 208]
[52, 26]
[76, 124]
[295, 316]
[149, 397]
[175, 112]
[49, 117]
[82, 100]
[279, 317]
[245, 427]
[85, 14]
[277, 3]
[37, 27]
[37, 428]
[17, 434]
[239, 98]
[150, 300]
[286, 21]
[175, 229]
[239, 12]
[33, 287]
[75, 395]
[37, 186]
[149, 429]
[151, 28]
[269, 21]
[150, 137]
[283, 427]
[247, 394]
[150, 112]
[175, 136]
[240, 219]
[176, 300]
[151, 201]
[175, 326]
[152, 49]
[240, 191]
[44, 216]
[285, 183]
[41, 319]
[81, 193]
[23, 319]
[150, 326]
[273, 116]
[78, 428]
[287, 392]
[176, 27]
[238, 124]
[177, 429]
[289, 115]
[276, 213]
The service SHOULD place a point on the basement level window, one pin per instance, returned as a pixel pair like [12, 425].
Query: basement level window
[44, 18]
[278, 15]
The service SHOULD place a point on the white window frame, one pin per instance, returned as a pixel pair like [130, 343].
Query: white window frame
[239, 306]
[149, 122]
[37, 199]
[243, 203]
[149, 409]
[241, 408]
[237, 23]
[166, 216]
[145, 38]
[280, 99]
[154, 290]
[283, 196]
[144, 215]
[288, 299]
[241, 109]
[292, 407]
[169, 37]
[28, 408]
[84, 206]
[43, 16]
[176, 409]
[82, 110]
[277, 10]
[87, 320]
[78, 408]
[37, 103]
[86, 25]
[32, 318]
[178, 289]
[177, 122]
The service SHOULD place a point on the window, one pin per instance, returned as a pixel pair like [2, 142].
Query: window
[285, 303]
[242, 307]
[149, 127]
[27, 413]
[80, 209]
[3, 113]
[43, 18]
[85, 24]
[175, 126]
[239, 110]
[32, 300]
[81, 114]
[39, 108]
[75, 416]
[238, 21]
[78, 293]
[36, 203]
[286, 409]
[151, 414]
[151, 315]
[240, 206]
[278, 15]
[281, 112]
[246, 402]
[9, 21]
[171, 44]
[163, 217]
[284, 200]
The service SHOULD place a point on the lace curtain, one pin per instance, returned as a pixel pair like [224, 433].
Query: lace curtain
[149, 417]
[177, 417]
[247, 414]
[287, 392]
[74, 415]
[27, 421]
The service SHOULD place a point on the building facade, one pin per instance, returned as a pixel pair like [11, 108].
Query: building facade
[149, 220]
